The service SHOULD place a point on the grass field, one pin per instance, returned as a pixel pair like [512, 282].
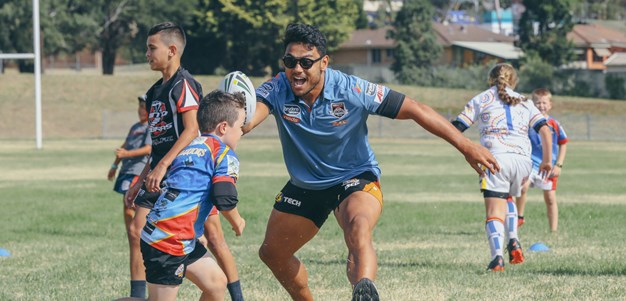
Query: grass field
[73, 102]
[63, 225]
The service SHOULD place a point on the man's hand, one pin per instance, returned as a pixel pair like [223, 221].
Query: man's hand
[239, 226]
[478, 157]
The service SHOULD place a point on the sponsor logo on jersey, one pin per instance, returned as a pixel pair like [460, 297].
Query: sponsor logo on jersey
[233, 166]
[380, 93]
[264, 89]
[162, 140]
[278, 197]
[180, 271]
[357, 89]
[339, 123]
[370, 89]
[291, 201]
[158, 126]
[291, 113]
[350, 183]
[193, 151]
[268, 86]
[338, 109]
[291, 110]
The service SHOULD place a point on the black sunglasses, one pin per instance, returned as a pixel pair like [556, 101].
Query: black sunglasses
[306, 63]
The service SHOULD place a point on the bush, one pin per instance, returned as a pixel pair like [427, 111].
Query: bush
[615, 86]
[535, 73]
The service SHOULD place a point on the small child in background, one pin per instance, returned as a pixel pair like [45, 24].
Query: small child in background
[543, 101]
[133, 155]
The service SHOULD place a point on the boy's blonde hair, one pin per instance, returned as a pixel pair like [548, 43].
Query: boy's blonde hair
[541, 92]
[504, 75]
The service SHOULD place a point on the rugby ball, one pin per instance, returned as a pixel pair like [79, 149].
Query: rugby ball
[238, 82]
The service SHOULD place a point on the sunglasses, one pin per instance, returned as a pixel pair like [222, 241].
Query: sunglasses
[306, 63]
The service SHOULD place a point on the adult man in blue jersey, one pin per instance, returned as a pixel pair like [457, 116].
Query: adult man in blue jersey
[321, 116]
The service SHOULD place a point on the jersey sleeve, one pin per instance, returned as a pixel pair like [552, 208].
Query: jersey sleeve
[223, 191]
[187, 95]
[536, 120]
[561, 135]
[148, 138]
[470, 112]
[266, 92]
[376, 98]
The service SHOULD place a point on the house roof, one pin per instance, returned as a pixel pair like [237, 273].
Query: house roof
[617, 59]
[596, 36]
[502, 50]
[447, 34]
[368, 38]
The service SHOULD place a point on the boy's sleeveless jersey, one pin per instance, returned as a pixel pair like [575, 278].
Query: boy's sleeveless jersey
[326, 144]
[503, 128]
[173, 226]
[559, 137]
[165, 105]
[138, 137]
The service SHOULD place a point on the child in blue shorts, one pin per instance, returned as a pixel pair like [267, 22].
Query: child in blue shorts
[133, 155]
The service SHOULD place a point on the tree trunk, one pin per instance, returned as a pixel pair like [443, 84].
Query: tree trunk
[108, 60]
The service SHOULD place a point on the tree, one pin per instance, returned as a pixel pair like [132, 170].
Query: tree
[416, 44]
[16, 35]
[248, 34]
[108, 25]
[543, 30]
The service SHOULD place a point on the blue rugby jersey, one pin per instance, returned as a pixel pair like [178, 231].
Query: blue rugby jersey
[559, 137]
[173, 225]
[326, 144]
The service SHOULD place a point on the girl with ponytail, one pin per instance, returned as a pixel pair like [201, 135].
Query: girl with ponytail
[504, 118]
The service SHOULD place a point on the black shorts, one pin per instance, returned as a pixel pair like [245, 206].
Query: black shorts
[145, 198]
[166, 269]
[316, 205]
[124, 181]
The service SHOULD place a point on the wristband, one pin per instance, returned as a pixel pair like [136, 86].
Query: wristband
[559, 165]
[113, 166]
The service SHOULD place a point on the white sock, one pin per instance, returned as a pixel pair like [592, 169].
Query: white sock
[494, 227]
[511, 219]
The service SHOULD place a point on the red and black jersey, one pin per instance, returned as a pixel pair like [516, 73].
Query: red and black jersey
[165, 103]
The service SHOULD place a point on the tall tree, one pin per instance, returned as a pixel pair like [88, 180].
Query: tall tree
[543, 30]
[108, 25]
[416, 44]
[16, 35]
[249, 33]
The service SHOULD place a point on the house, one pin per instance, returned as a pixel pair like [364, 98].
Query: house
[463, 44]
[616, 63]
[595, 44]
[467, 44]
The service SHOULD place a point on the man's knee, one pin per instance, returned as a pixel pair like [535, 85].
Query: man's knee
[270, 255]
[358, 231]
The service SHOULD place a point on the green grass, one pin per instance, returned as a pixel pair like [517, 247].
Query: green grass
[73, 103]
[63, 225]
